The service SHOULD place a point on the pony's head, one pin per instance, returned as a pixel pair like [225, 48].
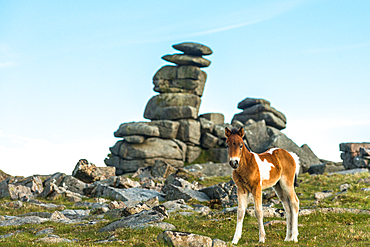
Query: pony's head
[235, 145]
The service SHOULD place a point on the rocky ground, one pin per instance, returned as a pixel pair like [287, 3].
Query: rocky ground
[47, 209]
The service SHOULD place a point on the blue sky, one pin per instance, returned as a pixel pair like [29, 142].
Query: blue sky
[72, 71]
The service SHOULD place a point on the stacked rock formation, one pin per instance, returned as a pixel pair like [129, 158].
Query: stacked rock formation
[260, 109]
[355, 155]
[175, 133]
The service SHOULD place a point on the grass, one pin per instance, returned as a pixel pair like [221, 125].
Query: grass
[317, 229]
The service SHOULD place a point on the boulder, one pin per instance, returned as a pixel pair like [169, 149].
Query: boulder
[73, 184]
[219, 130]
[156, 214]
[215, 118]
[183, 59]
[153, 148]
[15, 192]
[172, 106]
[176, 205]
[33, 182]
[218, 155]
[270, 119]
[325, 167]
[183, 239]
[192, 153]
[206, 126]
[136, 128]
[167, 129]
[119, 182]
[264, 108]
[257, 137]
[248, 102]
[189, 131]
[135, 139]
[131, 194]
[162, 169]
[166, 81]
[216, 192]
[88, 172]
[208, 141]
[194, 49]
[3, 175]
[211, 169]
[174, 192]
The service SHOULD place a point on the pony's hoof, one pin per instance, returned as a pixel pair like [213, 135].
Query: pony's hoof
[235, 241]
[261, 241]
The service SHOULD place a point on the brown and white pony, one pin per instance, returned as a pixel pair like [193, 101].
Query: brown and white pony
[254, 172]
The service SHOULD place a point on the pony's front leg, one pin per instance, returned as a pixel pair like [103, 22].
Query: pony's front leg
[259, 214]
[242, 204]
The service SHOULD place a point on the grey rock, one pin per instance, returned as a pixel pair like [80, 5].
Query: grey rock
[88, 172]
[189, 131]
[219, 243]
[33, 182]
[322, 195]
[352, 171]
[167, 129]
[216, 192]
[174, 192]
[161, 225]
[132, 194]
[208, 140]
[192, 153]
[211, 169]
[326, 167]
[153, 148]
[215, 118]
[129, 166]
[136, 128]
[191, 48]
[218, 155]
[115, 149]
[73, 184]
[19, 221]
[183, 59]
[257, 137]
[135, 209]
[248, 102]
[75, 213]
[270, 119]
[184, 239]
[166, 80]
[45, 231]
[135, 139]
[206, 126]
[15, 192]
[264, 108]
[162, 169]
[155, 215]
[172, 106]
[176, 205]
[219, 130]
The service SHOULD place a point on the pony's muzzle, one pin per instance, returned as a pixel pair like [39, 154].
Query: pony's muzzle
[234, 162]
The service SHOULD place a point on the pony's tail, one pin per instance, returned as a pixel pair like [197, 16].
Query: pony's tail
[297, 167]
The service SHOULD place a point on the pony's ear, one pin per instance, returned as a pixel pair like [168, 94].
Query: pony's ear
[241, 132]
[227, 132]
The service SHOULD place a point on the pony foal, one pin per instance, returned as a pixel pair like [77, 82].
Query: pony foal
[253, 172]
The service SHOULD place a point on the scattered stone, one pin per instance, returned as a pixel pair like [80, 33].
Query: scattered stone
[352, 171]
[364, 180]
[135, 209]
[211, 169]
[156, 214]
[18, 221]
[323, 195]
[161, 225]
[174, 192]
[184, 239]
[176, 205]
[88, 172]
[116, 205]
[344, 187]
[53, 239]
[45, 231]
[162, 169]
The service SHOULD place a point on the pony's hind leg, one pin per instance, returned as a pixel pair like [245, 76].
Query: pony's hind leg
[259, 213]
[242, 204]
[294, 208]
[288, 213]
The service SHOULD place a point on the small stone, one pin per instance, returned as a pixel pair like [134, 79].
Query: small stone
[184, 239]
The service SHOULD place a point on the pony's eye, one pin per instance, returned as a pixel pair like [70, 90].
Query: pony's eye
[241, 145]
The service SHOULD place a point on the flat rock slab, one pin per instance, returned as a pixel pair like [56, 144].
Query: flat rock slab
[191, 48]
[18, 221]
[131, 194]
[183, 59]
[155, 215]
[174, 192]
[184, 239]
[136, 128]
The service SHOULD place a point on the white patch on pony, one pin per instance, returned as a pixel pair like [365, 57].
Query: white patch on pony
[296, 160]
[235, 159]
[270, 151]
[264, 167]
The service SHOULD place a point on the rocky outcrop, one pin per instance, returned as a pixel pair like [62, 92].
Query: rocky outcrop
[260, 109]
[355, 155]
[88, 172]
